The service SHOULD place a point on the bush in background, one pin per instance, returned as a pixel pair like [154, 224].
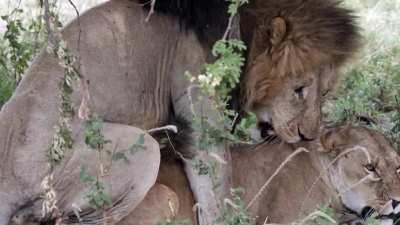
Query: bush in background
[370, 91]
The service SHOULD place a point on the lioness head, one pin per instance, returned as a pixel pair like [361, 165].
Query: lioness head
[366, 173]
[296, 50]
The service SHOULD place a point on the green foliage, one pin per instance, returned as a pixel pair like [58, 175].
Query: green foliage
[323, 216]
[19, 51]
[370, 89]
[217, 81]
[201, 167]
[21, 41]
[209, 134]
[372, 220]
[242, 129]
[96, 195]
[395, 130]
[372, 85]
[174, 222]
[66, 110]
[223, 75]
[94, 138]
[93, 135]
[235, 5]
[121, 155]
[234, 212]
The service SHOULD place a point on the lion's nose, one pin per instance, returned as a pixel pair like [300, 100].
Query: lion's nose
[303, 137]
[396, 206]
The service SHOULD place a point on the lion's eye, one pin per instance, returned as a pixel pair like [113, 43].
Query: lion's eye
[325, 93]
[299, 92]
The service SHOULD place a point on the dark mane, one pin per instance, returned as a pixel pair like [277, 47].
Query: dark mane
[208, 18]
[321, 29]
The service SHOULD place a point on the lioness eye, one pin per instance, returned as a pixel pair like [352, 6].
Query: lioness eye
[300, 92]
[370, 168]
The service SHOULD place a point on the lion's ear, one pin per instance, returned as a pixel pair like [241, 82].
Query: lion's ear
[278, 30]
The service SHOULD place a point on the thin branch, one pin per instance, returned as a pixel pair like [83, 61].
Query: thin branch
[16, 8]
[228, 28]
[152, 5]
[180, 155]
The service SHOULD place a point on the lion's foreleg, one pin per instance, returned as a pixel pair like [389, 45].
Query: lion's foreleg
[209, 190]
[208, 167]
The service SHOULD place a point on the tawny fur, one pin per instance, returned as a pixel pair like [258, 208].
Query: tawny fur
[297, 36]
[136, 77]
[304, 185]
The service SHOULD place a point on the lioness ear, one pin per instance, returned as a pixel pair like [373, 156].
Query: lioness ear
[278, 30]
[333, 139]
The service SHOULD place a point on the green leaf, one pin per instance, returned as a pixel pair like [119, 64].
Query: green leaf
[120, 156]
[140, 140]
[84, 176]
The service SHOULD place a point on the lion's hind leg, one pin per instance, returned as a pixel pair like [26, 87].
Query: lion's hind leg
[123, 174]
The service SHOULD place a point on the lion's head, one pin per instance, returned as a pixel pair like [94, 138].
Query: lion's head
[366, 173]
[296, 49]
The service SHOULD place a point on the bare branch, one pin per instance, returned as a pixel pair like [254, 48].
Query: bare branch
[152, 5]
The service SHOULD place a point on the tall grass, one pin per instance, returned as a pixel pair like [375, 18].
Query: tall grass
[371, 90]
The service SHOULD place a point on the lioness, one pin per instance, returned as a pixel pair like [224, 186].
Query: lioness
[354, 170]
[357, 165]
[135, 73]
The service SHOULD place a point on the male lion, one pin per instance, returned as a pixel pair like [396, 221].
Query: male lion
[354, 170]
[295, 50]
[135, 73]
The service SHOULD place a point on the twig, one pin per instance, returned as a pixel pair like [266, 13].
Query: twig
[228, 28]
[75, 8]
[152, 5]
[290, 157]
[16, 8]
[174, 149]
[190, 90]
[233, 123]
